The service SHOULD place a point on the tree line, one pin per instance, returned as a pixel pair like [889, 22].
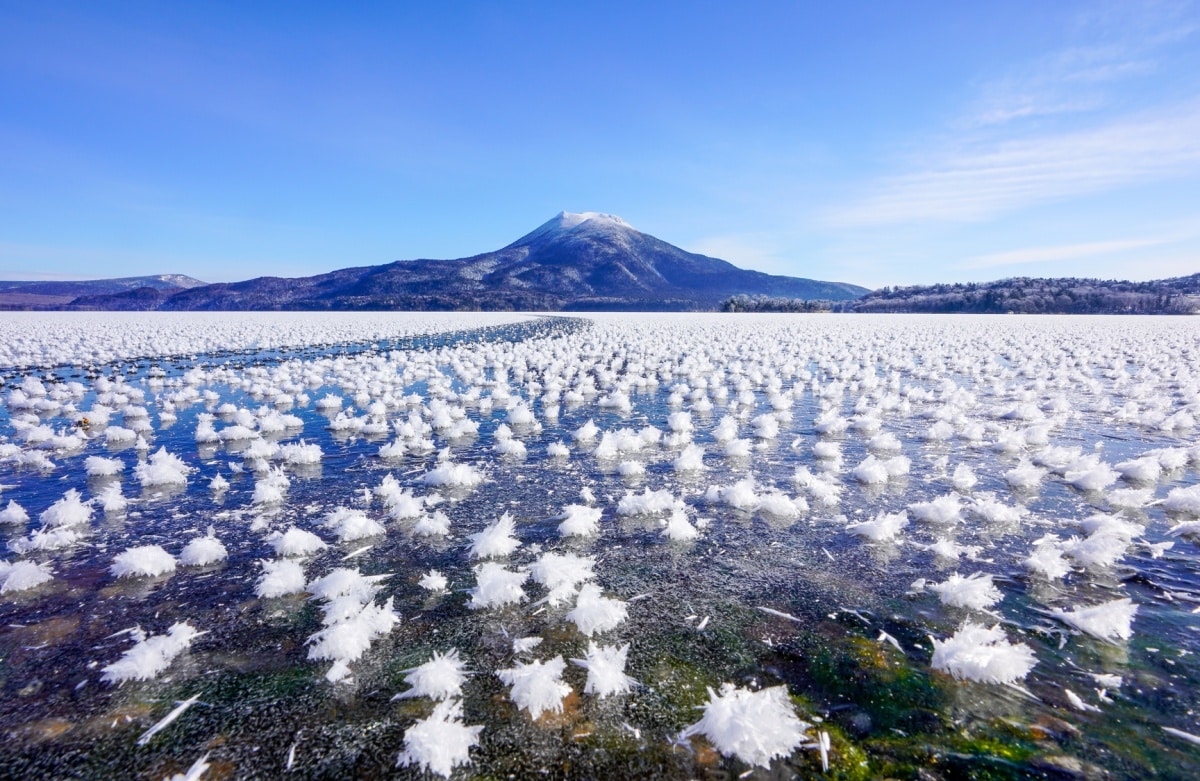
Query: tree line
[1019, 295]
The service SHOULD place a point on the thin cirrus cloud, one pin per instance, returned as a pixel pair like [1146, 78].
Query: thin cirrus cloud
[1077, 79]
[1059, 253]
[983, 182]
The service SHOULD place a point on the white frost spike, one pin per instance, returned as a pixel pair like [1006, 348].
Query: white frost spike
[343, 582]
[203, 551]
[347, 640]
[823, 745]
[433, 581]
[871, 471]
[975, 592]
[645, 503]
[679, 528]
[587, 432]
[883, 528]
[296, 542]
[13, 514]
[522, 645]
[163, 468]
[41, 539]
[964, 478]
[562, 573]
[537, 686]
[1047, 559]
[441, 678]
[606, 670]
[111, 499]
[977, 653]
[581, 521]
[436, 524]
[151, 656]
[1189, 737]
[99, 466]
[166, 721]
[1077, 702]
[946, 548]
[495, 586]
[944, 510]
[23, 575]
[496, 541]
[690, 460]
[67, 511]
[194, 772]
[280, 578]
[595, 613]
[453, 475]
[441, 742]
[1110, 621]
[756, 727]
[350, 524]
[144, 560]
[1185, 501]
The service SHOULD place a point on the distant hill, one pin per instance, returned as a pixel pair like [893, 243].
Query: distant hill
[574, 262]
[46, 294]
[1178, 295]
[1027, 295]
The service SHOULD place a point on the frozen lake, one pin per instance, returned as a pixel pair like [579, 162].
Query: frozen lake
[964, 546]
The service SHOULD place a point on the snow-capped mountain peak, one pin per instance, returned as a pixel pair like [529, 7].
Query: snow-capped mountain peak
[568, 220]
[575, 223]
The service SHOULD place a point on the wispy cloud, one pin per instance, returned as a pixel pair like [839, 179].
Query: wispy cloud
[1110, 44]
[1060, 252]
[982, 181]
[1057, 127]
[1074, 80]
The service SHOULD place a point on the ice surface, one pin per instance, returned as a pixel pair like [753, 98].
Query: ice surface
[695, 466]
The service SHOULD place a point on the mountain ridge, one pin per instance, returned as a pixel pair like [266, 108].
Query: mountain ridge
[36, 294]
[584, 261]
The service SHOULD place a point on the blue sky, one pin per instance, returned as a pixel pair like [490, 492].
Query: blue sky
[870, 142]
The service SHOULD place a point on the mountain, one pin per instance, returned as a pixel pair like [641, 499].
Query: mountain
[55, 293]
[574, 262]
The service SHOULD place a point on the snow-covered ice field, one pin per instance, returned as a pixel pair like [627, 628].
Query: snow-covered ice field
[88, 338]
[612, 546]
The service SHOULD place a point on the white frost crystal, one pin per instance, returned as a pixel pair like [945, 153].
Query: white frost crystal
[977, 653]
[495, 586]
[606, 670]
[538, 686]
[1109, 621]
[151, 656]
[440, 678]
[596, 613]
[441, 742]
[975, 592]
[144, 560]
[756, 727]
